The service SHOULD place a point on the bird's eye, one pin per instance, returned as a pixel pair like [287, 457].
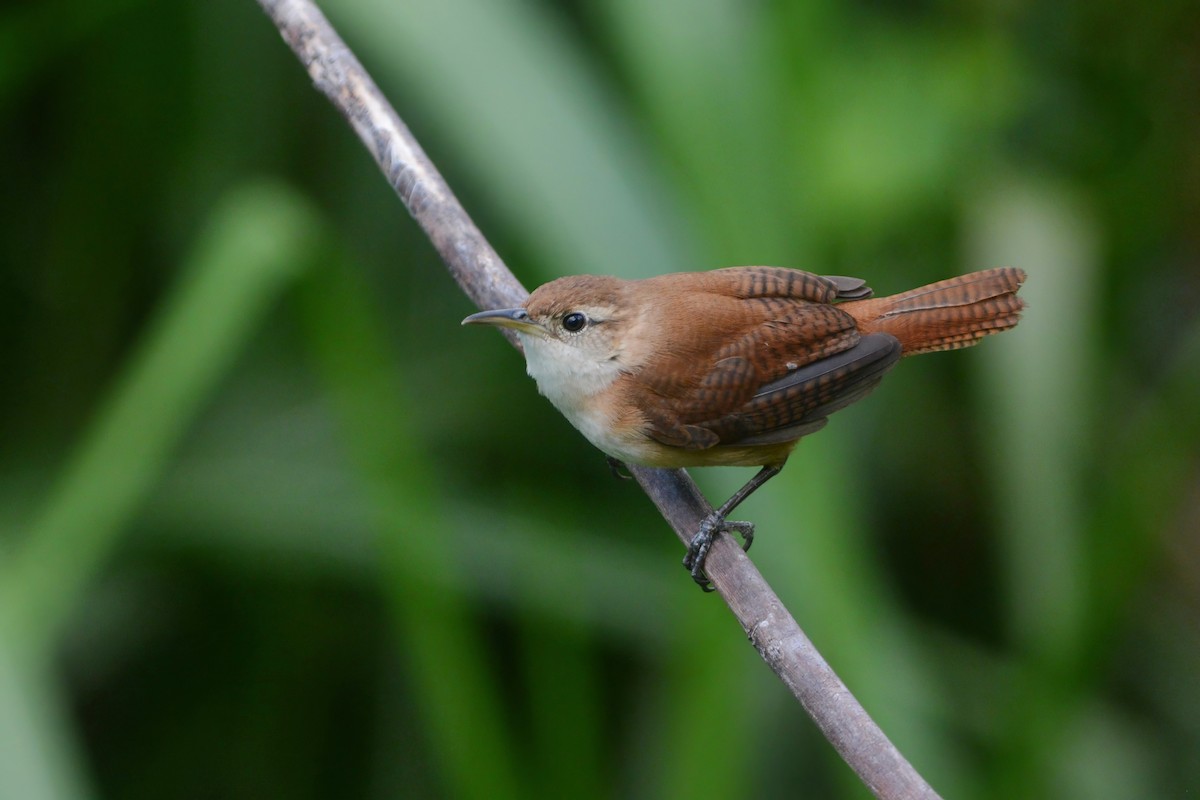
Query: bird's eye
[574, 321]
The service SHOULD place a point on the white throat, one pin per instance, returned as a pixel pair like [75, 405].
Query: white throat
[566, 376]
[570, 380]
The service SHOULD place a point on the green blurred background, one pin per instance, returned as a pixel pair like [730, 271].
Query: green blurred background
[273, 525]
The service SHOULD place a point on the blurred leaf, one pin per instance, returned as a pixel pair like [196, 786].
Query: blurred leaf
[37, 756]
[34, 35]
[254, 244]
[541, 137]
[904, 117]
[1147, 478]
[435, 634]
[1037, 381]
[712, 89]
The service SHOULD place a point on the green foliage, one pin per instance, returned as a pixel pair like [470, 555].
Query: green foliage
[272, 524]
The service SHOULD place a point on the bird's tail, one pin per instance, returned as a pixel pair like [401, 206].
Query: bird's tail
[945, 315]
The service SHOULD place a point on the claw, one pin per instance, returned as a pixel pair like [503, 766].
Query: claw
[618, 469]
[697, 552]
[715, 522]
[743, 529]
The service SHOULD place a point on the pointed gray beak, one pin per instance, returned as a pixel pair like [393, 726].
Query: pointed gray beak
[515, 318]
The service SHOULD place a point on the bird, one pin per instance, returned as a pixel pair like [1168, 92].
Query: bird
[733, 366]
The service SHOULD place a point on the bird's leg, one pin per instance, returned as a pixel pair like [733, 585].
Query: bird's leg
[715, 522]
[617, 467]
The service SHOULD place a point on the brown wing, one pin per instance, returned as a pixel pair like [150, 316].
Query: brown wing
[765, 379]
[800, 402]
[780, 282]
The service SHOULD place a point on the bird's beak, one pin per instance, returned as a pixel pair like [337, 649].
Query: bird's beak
[515, 318]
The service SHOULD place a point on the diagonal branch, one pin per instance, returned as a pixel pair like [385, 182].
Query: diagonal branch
[484, 278]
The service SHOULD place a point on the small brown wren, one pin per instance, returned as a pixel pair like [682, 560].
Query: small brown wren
[732, 367]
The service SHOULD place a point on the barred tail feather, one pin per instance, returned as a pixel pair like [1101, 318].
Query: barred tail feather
[945, 315]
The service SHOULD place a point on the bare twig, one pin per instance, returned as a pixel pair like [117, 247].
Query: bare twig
[484, 278]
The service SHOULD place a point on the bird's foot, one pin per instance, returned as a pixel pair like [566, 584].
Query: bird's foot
[617, 467]
[701, 543]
